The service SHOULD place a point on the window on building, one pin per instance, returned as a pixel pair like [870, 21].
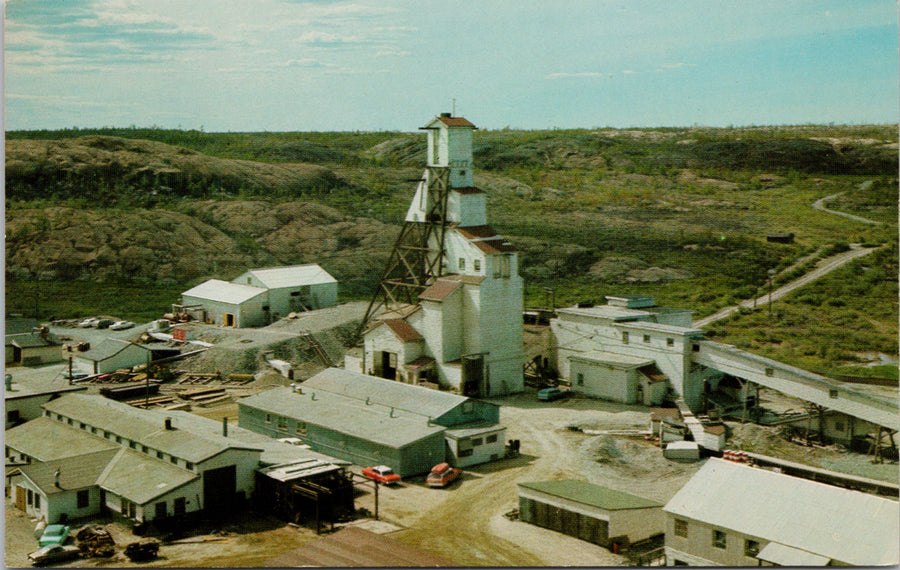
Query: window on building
[70, 421]
[770, 372]
[161, 509]
[832, 393]
[118, 439]
[249, 280]
[145, 449]
[751, 547]
[462, 263]
[677, 562]
[477, 441]
[82, 425]
[268, 418]
[94, 430]
[467, 407]
[159, 454]
[282, 422]
[462, 172]
[37, 501]
[670, 342]
[12, 416]
[132, 444]
[477, 265]
[29, 497]
[82, 499]
[462, 453]
[839, 426]
[579, 379]
[300, 428]
[624, 337]
[179, 505]
[189, 465]
[718, 539]
[646, 338]
[695, 348]
[491, 438]
[681, 528]
[173, 460]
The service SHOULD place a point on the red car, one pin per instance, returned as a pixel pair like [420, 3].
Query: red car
[442, 475]
[381, 473]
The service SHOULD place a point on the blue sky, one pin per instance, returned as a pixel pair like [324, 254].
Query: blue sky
[289, 65]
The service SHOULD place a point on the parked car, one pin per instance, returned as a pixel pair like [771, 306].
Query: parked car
[104, 323]
[54, 534]
[550, 394]
[294, 441]
[121, 325]
[381, 473]
[87, 323]
[442, 475]
[54, 553]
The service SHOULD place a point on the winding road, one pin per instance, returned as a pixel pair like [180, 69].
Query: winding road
[824, 267]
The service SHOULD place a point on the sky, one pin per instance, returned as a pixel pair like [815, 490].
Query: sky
[372, 65]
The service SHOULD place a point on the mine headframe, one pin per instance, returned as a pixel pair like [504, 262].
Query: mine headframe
[417, 257]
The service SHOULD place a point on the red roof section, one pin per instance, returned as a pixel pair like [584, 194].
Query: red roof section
[455, 122]
[403, 330]
[439, 290]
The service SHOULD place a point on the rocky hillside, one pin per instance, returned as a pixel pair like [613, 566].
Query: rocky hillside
[105, 169]
[207, 239]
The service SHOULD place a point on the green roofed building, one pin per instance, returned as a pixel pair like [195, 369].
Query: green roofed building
[600, 515]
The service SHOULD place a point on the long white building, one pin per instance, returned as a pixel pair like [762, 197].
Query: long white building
[465, 333]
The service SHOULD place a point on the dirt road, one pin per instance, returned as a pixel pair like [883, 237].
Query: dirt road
[820, 205]
[823, 268]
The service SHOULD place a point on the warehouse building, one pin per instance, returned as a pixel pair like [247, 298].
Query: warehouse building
[33, 348]
[736, 515]
[260, 296]
[596, 514]
[111, 355]
[373, 421]
[293, 289]
[25, 397]
[105, 456]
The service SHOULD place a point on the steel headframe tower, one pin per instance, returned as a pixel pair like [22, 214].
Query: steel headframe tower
[418, 254]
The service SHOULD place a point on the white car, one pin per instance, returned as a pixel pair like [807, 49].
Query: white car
[87, 323]
[294, 441]
[121, 325]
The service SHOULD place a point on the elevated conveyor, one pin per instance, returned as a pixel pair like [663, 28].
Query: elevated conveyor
[796, 382]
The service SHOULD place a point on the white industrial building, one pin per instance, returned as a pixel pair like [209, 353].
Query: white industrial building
[111, 355]
[293, 289]
[631, 350]
[87, 455]
[261, 296]
[465, 331]
[730, 514]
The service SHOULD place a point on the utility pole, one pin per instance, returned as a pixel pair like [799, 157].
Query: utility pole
[70, 364]
[771, 275]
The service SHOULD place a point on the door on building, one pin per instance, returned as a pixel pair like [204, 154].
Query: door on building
[20, 498]
[219, 488]
[229, 319]
[160, 510]
[473, 375]
[388, 362]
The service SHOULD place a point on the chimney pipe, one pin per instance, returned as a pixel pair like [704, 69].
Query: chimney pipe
[56, 478]
[168, 423]
[224, 427]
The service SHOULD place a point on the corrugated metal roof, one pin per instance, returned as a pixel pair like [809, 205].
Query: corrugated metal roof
[403, 330]
[46, 440]
[590, 494]
[407, 397]
[37, 386]
[439, 290]
[147, 427]
[604, 312]
[612, 358]
[782, 555]
[107, 349]
[298, 469]
[273, 451]
[29, 340]
[224, 292]
[75, 472]
[342, 414]
[140, 478]
[847, 526]
[477, 429]
[291, 276]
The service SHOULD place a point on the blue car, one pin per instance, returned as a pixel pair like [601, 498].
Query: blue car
[54, 534]
[550, 394]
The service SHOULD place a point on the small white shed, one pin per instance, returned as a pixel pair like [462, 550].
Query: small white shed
[617, 377]
[294, 288]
